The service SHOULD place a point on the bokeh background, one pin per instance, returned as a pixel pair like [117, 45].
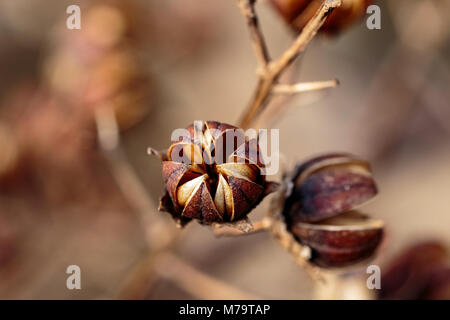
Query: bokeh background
[161, 64]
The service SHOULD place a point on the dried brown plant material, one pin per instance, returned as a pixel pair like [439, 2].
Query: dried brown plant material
[342, 240]
[328, 185]
[213, 175]
[421, 271]
[297, 13]
[321, 193]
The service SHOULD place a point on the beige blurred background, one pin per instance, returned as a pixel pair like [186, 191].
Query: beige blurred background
[192, 60]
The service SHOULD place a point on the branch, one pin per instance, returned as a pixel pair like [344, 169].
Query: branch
[259, 45]
[304, 86]
[241, 228]
[275, 68]
[158, 232]
[196, 283]
[300, 253]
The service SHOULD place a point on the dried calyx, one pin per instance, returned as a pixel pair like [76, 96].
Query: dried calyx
[297, 13]
[319, 211]
[213, 174]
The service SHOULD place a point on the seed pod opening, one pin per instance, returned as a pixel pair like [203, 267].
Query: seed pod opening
[297, 13]
[342, 240]
[213, 173]
[328, 185]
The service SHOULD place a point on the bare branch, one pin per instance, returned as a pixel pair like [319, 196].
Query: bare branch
[300, 253]
[304, 87]
[259, 45]
[275, 68]
[305, 37]
[232, 230]
[159, 233]
[196, 283]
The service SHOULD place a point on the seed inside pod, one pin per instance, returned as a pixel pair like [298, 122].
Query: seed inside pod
[342, 240]
[328, 185]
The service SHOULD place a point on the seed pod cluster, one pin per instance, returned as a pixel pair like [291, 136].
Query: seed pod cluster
[319, 211]
[297, 13]
[213, 174]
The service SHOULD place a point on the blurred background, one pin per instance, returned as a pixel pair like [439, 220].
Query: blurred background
[66, 199]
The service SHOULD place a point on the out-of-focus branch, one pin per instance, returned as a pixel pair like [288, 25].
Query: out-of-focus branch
[196, 283]
[269, 77]
[158, 232]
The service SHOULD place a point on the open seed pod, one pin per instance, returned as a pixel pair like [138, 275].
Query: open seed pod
[328, 185]
[339, 241]
[297, 13]
[213, 174]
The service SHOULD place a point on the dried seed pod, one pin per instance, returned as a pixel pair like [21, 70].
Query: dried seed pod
[421, 271]
[297, 13]
[213, 174]
[328, 185]
[340, 241]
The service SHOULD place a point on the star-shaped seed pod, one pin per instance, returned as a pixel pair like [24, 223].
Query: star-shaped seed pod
[297, 13]
[213, 173]
[319, 211]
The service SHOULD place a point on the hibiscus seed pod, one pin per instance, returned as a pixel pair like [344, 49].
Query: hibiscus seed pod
[421, 271]
[339, 241]
[213, 174]
[328, 185]
[297, 13]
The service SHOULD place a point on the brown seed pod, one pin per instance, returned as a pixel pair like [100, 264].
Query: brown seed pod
[421, 271]
[213, 174]
[328, 185]
[339, 241]
[297, 13]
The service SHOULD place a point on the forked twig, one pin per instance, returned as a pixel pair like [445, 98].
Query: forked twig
[272, 70]
[197, 283]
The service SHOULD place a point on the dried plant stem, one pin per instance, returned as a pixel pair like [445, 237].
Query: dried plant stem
[273, 69]
[259, 44]
[196, 283]
[301, 253]
[304, 86]
[159, 233]
[231, 230]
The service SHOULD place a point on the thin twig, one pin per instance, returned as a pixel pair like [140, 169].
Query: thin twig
[196, 283]
[274, 69]
[158, 232]
[300, 253]
[259, 45]
[230, 230]
[304, 86]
